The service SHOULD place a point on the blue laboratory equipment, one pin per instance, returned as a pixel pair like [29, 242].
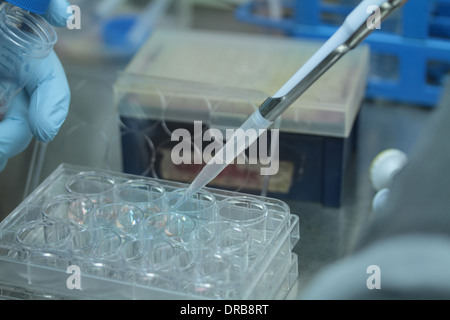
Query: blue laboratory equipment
[417, 35]
[26, 38]
[353, 31]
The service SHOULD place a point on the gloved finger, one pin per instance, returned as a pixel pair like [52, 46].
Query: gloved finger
[49, 94]
[57, 13]
[15, 133]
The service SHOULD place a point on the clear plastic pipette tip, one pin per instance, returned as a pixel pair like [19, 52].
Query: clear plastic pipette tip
[235, 145]
[180, 201]
[199, 182]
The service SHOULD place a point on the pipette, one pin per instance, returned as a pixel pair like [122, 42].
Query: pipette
[147, 20]
[359, 24]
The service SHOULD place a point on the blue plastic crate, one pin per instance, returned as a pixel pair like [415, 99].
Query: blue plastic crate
[412, 48]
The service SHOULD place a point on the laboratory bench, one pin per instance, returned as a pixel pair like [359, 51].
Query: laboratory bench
[327, 234]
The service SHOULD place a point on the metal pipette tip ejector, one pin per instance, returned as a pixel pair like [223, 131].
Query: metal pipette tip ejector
[359, 24]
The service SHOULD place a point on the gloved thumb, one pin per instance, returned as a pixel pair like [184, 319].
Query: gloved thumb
[49, 99]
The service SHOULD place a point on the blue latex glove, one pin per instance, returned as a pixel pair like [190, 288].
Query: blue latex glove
[41, 108]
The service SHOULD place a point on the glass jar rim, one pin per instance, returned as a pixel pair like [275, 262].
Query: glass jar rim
[39, 46]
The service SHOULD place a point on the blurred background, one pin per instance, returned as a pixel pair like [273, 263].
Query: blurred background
[382, 99]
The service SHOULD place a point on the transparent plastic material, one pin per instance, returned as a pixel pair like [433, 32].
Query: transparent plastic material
[195, 252]
[99, 188]
[69, 208]
[218, 68]
[25, 39]
[147, 195]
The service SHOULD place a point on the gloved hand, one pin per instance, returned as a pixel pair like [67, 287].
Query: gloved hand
[41, 108]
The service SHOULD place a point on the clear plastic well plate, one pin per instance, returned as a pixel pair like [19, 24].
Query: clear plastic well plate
[86, 234]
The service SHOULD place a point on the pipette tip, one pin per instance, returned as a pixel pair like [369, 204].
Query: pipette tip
[187, 194]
